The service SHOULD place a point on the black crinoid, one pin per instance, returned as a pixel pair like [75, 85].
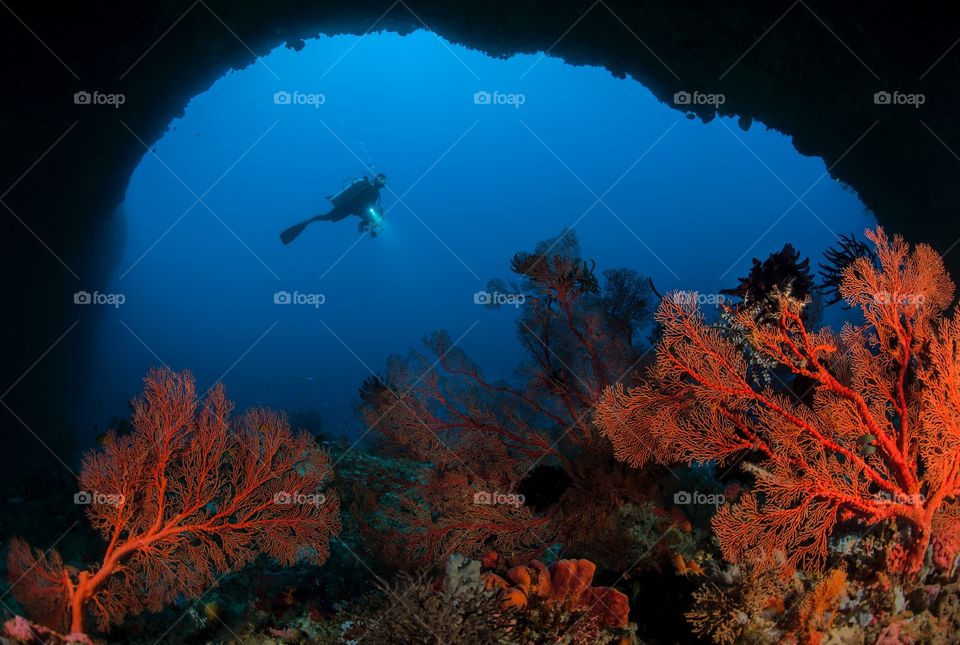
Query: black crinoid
[782, 272]
[838, 258]
[373, 389]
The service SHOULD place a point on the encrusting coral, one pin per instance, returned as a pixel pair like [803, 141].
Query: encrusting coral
[567, 584]
[189, 495]
[879, 442]
[418, 609]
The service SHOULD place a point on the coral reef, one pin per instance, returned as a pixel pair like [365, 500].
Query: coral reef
[856, 601]
[842, 526]
[187, 496]
[879, 442]
[558, 605]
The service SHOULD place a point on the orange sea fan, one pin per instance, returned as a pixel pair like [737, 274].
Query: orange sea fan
[880, 440]
[189, 495]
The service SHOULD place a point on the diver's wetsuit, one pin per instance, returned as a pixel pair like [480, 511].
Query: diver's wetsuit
[368, 194]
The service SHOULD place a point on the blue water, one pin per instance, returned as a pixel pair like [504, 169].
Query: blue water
[469, 185]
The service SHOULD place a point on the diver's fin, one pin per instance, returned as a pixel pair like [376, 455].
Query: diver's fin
[294, 231]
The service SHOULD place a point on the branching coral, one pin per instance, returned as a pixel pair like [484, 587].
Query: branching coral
[418, 609]
[880, 440]
[741, 605]
[187, 496]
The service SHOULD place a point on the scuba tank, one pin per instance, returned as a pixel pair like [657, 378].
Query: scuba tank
[349, 192]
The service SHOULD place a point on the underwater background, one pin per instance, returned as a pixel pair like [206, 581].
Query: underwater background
[686, 203]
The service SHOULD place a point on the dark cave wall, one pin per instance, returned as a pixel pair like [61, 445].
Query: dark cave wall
[798, 77]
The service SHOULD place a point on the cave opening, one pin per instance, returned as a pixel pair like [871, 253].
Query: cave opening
[484, 158]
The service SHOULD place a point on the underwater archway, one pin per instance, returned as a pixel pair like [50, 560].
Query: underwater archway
[758, 55]
[485, 157]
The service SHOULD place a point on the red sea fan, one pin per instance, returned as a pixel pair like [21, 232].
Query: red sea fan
[880, 441]
[480, 437]
[188, 496]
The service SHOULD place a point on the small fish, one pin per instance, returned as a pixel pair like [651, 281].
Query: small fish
[212, 609]
[868, 446]
[106, 439]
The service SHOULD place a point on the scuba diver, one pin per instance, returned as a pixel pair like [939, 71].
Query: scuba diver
[360, 198]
